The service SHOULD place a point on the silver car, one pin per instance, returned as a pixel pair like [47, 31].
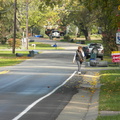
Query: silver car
[96, 48]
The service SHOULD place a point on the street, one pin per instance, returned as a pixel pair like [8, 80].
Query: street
[39, 79]
[33, 79]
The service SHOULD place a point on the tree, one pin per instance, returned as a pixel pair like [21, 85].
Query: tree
[39, 15]
[107, 19]
[6, 18]
[82, 20]
[80, 16]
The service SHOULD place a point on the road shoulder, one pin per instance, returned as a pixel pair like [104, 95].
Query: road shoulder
[84, 104]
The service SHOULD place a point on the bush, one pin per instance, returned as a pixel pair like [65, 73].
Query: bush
[17, 43]
[3, 40]
[67, 37]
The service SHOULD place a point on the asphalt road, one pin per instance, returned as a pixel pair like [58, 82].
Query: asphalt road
[26, 85]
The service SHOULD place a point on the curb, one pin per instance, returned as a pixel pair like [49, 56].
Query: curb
[84, 104]
[93, 108]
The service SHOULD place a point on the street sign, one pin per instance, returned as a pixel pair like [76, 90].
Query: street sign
[118, 38]
[115, 56]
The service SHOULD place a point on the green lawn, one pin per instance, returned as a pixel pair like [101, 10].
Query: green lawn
[94, 41]
[110, 90]
[39, 46]
[110, 93]
[8, 59]
[86, 42]
[115, 117]
[4, 46]
[42, 46]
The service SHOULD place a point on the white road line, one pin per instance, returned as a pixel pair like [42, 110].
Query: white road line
[40, 99]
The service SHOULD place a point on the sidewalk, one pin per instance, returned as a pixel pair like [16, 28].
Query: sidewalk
[84, 104]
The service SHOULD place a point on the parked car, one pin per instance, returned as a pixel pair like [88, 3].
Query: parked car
[96, 48]
[62, 33]
[48, 32]
[55, 34]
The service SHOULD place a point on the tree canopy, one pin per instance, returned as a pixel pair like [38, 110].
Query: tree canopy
[84, 14]
[108, 17]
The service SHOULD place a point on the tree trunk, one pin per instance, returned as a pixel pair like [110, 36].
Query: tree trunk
[109, 42]
[86, 34]
[85, 31]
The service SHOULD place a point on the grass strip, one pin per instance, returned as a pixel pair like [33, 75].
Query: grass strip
[8, 59]
[11, 61]
[109, 99]
[39, 46]
[114, 117]
[42, 46]
[110, 90]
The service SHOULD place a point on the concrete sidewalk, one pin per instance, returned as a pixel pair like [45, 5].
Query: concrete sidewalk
[84, 104]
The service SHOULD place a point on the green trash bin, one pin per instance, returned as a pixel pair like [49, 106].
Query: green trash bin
[93, 56]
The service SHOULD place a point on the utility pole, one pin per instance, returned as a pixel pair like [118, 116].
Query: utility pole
[26, 24]
[14, 37]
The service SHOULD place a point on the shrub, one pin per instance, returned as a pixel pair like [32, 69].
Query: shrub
[3, 40]
[67, 37]
[17, 43]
